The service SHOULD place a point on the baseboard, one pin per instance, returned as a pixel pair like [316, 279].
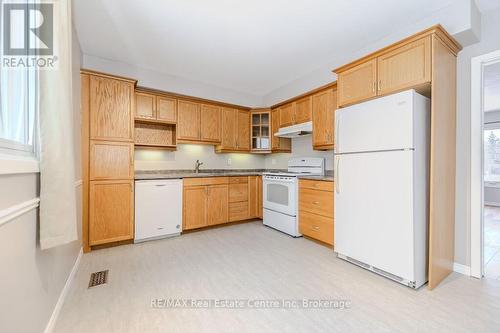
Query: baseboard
[491, 203]
[462, 269]
[52, 322]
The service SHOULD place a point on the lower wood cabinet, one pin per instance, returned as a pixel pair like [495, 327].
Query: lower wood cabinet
[217, 209]
[316, 210]
[111, 211]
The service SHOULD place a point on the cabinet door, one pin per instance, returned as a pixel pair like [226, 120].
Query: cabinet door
[357, 83]
[166, 109]
[194, 207]
[210, 123]
[217, 204]
[111, 114]
[111, 211]
[243, 141]
[229, 128]
[323, 118]
[407, 66]
[188, 124]
[303, 110]
[275, 125]
[111, 160]
[287, 115]
[145, 107]
[253, 201]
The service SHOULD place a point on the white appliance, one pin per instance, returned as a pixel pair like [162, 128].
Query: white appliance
[280, 193]
[158, 209]
[381, 185]
[295, 131]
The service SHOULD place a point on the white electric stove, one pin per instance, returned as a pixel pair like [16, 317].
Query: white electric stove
[280, 193]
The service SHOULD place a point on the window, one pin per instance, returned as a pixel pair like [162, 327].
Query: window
[492, 155]
[18, 105]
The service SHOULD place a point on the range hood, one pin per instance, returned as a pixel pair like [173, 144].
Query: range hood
[295, 131]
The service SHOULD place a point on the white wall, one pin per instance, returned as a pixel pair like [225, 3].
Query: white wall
[32, 279]
[186, 155]
[301, 147]
[490, 41]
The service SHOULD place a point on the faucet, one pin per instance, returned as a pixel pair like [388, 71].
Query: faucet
[197, 166]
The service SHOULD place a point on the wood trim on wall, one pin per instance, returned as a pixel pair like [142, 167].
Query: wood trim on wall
[85, 142]
[13, 212]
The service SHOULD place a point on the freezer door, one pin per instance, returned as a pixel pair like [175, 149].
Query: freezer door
[374, 210]
[385, 123]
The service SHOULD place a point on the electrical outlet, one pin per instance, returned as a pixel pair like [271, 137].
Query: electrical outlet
[229, 161]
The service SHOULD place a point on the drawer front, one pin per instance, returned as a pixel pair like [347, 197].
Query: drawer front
[238, 180]
[238, 211]
[205, 181]
[238, 192]
[316, 226]
[317, 202]
[322, 185]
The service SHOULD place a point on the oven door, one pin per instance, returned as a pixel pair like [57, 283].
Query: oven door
[280, 194]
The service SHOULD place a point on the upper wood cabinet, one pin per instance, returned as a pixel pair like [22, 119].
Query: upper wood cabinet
[235, 131]
[303, 110]
[357, 83]
[145, 107]
[323, 114]
[287, 115]
[260, 130]
[404, 67]
[166, 109]
[394, 69]
[155, 108]
[188, 124]
[111, 211]
[278, 144]
[210, 123]
[243, 136]
[110, 108]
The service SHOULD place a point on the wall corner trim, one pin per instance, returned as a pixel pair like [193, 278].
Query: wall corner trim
[462, 269]
[10, 213]
[64, 292]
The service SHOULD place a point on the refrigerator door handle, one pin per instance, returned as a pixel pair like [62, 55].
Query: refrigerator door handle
[337, 176]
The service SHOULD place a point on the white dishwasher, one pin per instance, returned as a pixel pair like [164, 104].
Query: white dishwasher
[158, 209]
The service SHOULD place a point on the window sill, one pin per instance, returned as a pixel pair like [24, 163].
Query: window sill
[11, 164]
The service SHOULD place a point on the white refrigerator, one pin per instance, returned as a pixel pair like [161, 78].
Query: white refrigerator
[381, 186]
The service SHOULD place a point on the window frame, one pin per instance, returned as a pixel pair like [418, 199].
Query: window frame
[493, 126]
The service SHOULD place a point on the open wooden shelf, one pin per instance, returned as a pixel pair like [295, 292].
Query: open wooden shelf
[156, 135]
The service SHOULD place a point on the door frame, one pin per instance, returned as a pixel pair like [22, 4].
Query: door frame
[477, 159]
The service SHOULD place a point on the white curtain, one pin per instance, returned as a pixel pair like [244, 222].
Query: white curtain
[57, 166]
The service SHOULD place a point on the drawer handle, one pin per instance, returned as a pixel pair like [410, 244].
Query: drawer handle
[315, 202]
[315, 228]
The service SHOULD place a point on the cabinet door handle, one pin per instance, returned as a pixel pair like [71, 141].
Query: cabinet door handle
[315, 202]
[374, 86]
[379, 85]
[315, 228]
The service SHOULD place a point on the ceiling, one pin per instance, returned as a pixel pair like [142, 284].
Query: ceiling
[492, 87]
[253, 47]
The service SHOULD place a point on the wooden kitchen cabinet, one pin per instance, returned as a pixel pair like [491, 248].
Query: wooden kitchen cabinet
[260, 202]
[316, 210]
[111, 211]
[282, 145]
[145, 106]
[404, 67]
[287, 115]
[323, 115]
[210, 123]
[194, 207]
[235, 131]
[238, 199]
[188, 121]
[253, 197]
[166, 109]
[303, 110]
[110, 109]
[111, 160]
[217, 204]
[357, 83]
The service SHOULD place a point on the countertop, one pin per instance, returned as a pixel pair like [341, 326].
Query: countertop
[177, 174]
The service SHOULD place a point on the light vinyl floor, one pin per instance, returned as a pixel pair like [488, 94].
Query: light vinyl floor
[251, 261]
